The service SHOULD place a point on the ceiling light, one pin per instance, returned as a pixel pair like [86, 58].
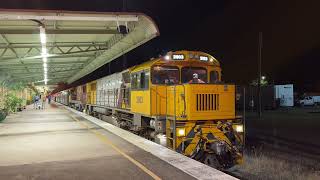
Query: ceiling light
[44, 54]
[44, 51]
[43, 38]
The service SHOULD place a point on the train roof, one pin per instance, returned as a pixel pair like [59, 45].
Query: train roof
[179, 57]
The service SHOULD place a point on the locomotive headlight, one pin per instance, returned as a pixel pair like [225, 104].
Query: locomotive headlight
[239, 128]
[181, 132]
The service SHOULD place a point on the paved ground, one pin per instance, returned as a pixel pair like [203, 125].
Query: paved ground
[55, 144]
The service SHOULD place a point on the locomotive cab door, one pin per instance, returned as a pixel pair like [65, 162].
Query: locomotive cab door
[140, 92]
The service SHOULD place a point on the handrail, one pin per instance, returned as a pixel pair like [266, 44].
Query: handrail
[184, 101]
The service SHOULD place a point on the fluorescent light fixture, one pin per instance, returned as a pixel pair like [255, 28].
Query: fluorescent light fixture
[43, 38]
[44, 54]
[44, 51]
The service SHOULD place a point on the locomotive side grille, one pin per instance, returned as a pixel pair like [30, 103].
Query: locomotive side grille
[207, 102]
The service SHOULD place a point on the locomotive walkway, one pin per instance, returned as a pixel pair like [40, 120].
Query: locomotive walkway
[59, 143]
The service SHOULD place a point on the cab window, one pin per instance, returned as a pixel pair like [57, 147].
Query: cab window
[144, 80]
[165, 75]
[214, 76]
[140, 80]
[189, 74]
[134, 80]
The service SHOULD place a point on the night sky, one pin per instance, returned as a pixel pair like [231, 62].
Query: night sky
[227, 29]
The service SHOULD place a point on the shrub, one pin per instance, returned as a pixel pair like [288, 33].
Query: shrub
[3, 115]
[12, 103]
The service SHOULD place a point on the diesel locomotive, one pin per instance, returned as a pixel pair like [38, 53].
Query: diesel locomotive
[177, 100]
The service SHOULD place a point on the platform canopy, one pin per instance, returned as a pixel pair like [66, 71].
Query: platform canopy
[59, 46]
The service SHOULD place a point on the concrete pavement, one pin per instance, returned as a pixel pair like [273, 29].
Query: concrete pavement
[50, 144]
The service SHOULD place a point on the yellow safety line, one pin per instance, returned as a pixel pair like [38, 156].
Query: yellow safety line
[108, 142]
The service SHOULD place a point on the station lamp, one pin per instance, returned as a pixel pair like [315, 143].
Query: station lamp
[44, 54]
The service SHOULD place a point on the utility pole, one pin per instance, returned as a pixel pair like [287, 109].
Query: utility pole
[124, 5]
[259, 76]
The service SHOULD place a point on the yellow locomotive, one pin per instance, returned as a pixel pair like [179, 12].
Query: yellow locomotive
[177, 100]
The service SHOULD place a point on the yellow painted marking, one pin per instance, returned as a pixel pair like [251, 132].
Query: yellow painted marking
[108, 142]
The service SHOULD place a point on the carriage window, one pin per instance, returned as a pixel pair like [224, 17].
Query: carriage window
[214, 77]
[165, 75]
[187, 74]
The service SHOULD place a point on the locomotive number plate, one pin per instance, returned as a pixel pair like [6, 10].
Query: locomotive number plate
[139, 99]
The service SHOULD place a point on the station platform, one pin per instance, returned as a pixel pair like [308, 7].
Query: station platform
[61, 143]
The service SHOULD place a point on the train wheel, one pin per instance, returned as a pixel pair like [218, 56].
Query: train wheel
[211, 161]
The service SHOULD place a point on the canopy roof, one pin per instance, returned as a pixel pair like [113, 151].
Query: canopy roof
[77, 43]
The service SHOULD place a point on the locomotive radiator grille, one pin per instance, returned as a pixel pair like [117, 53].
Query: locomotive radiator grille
[207, 102]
